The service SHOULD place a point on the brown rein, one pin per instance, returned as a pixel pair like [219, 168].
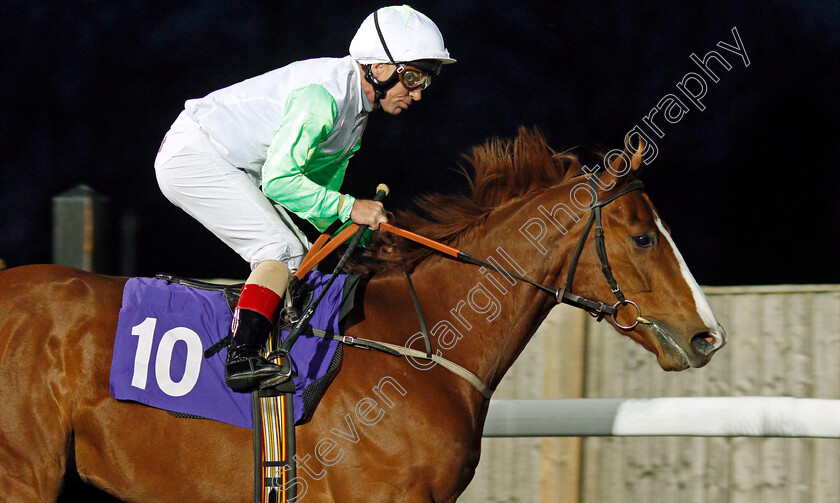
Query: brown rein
[564, 295]
[323, 246]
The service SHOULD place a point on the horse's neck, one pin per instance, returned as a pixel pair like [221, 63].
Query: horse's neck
[479, 318]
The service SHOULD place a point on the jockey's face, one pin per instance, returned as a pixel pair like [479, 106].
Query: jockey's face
[398, 98]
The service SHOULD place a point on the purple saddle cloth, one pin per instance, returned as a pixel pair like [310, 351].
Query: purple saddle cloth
[162, 333]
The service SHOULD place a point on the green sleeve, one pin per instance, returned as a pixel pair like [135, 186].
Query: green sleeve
[309, 118]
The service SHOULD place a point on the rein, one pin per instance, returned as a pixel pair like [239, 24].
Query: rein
[563, 295]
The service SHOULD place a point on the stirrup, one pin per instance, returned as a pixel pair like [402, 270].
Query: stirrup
[275, 381]
[298, 295]
[289, 315]
[245, 380]
[285, 373]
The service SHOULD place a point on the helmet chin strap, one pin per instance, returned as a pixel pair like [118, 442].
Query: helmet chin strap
[380, 88]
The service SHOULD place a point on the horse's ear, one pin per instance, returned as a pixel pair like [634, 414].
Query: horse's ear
[618, 161]
[636, 160]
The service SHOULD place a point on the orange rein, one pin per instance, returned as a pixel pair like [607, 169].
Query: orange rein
[320, 249]
[417, 238]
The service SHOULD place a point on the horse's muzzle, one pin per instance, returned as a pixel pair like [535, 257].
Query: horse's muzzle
[676, 352]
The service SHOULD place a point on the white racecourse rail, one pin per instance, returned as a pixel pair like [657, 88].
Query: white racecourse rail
[751, 416]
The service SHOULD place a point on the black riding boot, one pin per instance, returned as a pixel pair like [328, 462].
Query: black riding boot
[246, 367]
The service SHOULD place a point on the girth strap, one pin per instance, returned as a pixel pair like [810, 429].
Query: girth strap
[416, 302]
[356, 342]
[397, 350]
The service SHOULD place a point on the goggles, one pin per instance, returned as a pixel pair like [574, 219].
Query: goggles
[413, 78]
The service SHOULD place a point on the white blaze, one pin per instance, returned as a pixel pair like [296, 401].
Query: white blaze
[703, 307]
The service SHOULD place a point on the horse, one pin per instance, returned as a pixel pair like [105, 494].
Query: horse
[388, 429]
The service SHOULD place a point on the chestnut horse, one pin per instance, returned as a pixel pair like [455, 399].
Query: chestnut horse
[388, 428]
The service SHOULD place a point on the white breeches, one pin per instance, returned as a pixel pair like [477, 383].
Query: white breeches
[193, 175]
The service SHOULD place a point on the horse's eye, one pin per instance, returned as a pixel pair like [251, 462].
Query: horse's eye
[643, 241]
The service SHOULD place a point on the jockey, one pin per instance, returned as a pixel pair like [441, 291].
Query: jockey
[239, 158]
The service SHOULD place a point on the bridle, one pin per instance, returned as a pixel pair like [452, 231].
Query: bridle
[596, 308]
[564, 295]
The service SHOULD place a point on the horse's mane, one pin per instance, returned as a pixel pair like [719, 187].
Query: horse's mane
[503, 170]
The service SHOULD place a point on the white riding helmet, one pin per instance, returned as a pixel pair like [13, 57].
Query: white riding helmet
[406, 34]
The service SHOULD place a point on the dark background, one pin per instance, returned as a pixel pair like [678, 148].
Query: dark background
[748, 186]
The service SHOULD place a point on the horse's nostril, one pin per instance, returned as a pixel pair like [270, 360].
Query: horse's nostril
[705, 343]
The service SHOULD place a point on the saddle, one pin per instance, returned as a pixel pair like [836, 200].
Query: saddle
[274, 410]
[298, 295]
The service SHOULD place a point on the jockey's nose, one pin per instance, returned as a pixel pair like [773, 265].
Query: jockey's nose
[416, 94]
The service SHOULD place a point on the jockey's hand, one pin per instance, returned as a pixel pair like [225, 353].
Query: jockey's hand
[367, 212]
